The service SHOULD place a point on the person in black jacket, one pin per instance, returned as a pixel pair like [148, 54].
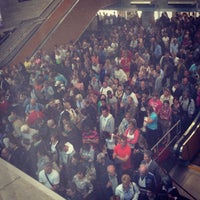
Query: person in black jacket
[144, 179]
[17, 153]
[152, 166]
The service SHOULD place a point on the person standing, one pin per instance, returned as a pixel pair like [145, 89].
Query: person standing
[49, 177]
[152, 127]
[127, 189]
[107, 121]
[122, 156]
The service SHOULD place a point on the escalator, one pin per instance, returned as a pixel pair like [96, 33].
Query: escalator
[67, 22]
[180, 157]
[41, 33]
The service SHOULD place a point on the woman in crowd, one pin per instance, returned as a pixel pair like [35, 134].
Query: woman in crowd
[84, 187]
[152, 127]
[87, 58]
[132, 133]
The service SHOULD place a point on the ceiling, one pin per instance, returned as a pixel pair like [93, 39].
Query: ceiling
[155, 5]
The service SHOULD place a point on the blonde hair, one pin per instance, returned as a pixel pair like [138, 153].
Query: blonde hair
[125, 178]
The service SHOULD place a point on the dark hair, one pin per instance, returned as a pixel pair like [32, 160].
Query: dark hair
[109, 92]
[123, 137]
[166, 101]
[134, 122]
[167, 182]
[148, 153]
[71, 186]
[76, 156]
[150, 109]
[81, 170]
[104, 108]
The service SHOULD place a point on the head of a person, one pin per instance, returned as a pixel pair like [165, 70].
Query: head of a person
[128, 116]
[81, 172]
[120, 87]
[76, 158]
[185, 94]
[123, 141]
[128, 90]
[104, 85]
[66, 146]
[109, 94]
[33, 101]
[143, 168]
[143, 84]
[151, 192]
[71, 189]
[155, 96]
[166, 92]
[150, 109]
[57, 102]
[166, 104]
[147, 156]
[185, 81]
[130, 100]
[175, 100]
[132, 124]
[111, 170]
[48, 167]
[51, 123]
[101, 158]
[25, 128]
[5, 153]
[105, 111]
[67, 104]
[103, 97]
[126, 180]
[167, 182]
[54, 137]
[79, 97]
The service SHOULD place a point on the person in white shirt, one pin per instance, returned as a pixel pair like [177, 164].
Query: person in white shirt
[127, 189]
[107, 121]
[49, 177]
[120, 74]
[128, 93]
[105, 88]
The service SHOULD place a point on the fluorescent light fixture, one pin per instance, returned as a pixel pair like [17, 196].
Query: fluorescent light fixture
[140, 2]
[179, 2]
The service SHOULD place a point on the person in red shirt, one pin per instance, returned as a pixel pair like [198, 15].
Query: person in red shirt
[155, 103]
[121, 156]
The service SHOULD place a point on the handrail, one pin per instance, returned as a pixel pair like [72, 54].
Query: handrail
[29, 48]
[185, 137]
[190, 146]
[186, 134]
[176, 127]
[55, 27]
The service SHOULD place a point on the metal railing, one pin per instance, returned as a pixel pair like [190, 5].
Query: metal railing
[167, 139]
[164, 143]
[178, 147]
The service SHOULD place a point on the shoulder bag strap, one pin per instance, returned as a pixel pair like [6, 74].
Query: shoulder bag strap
[48, 179]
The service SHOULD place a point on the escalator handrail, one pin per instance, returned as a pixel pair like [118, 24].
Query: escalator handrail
[186, 142]
[178, 145]
[55, 27]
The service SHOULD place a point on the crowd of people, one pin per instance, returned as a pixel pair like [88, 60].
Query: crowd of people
[82, 119]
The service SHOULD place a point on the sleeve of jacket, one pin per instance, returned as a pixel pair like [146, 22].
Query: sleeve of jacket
[136, 191]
